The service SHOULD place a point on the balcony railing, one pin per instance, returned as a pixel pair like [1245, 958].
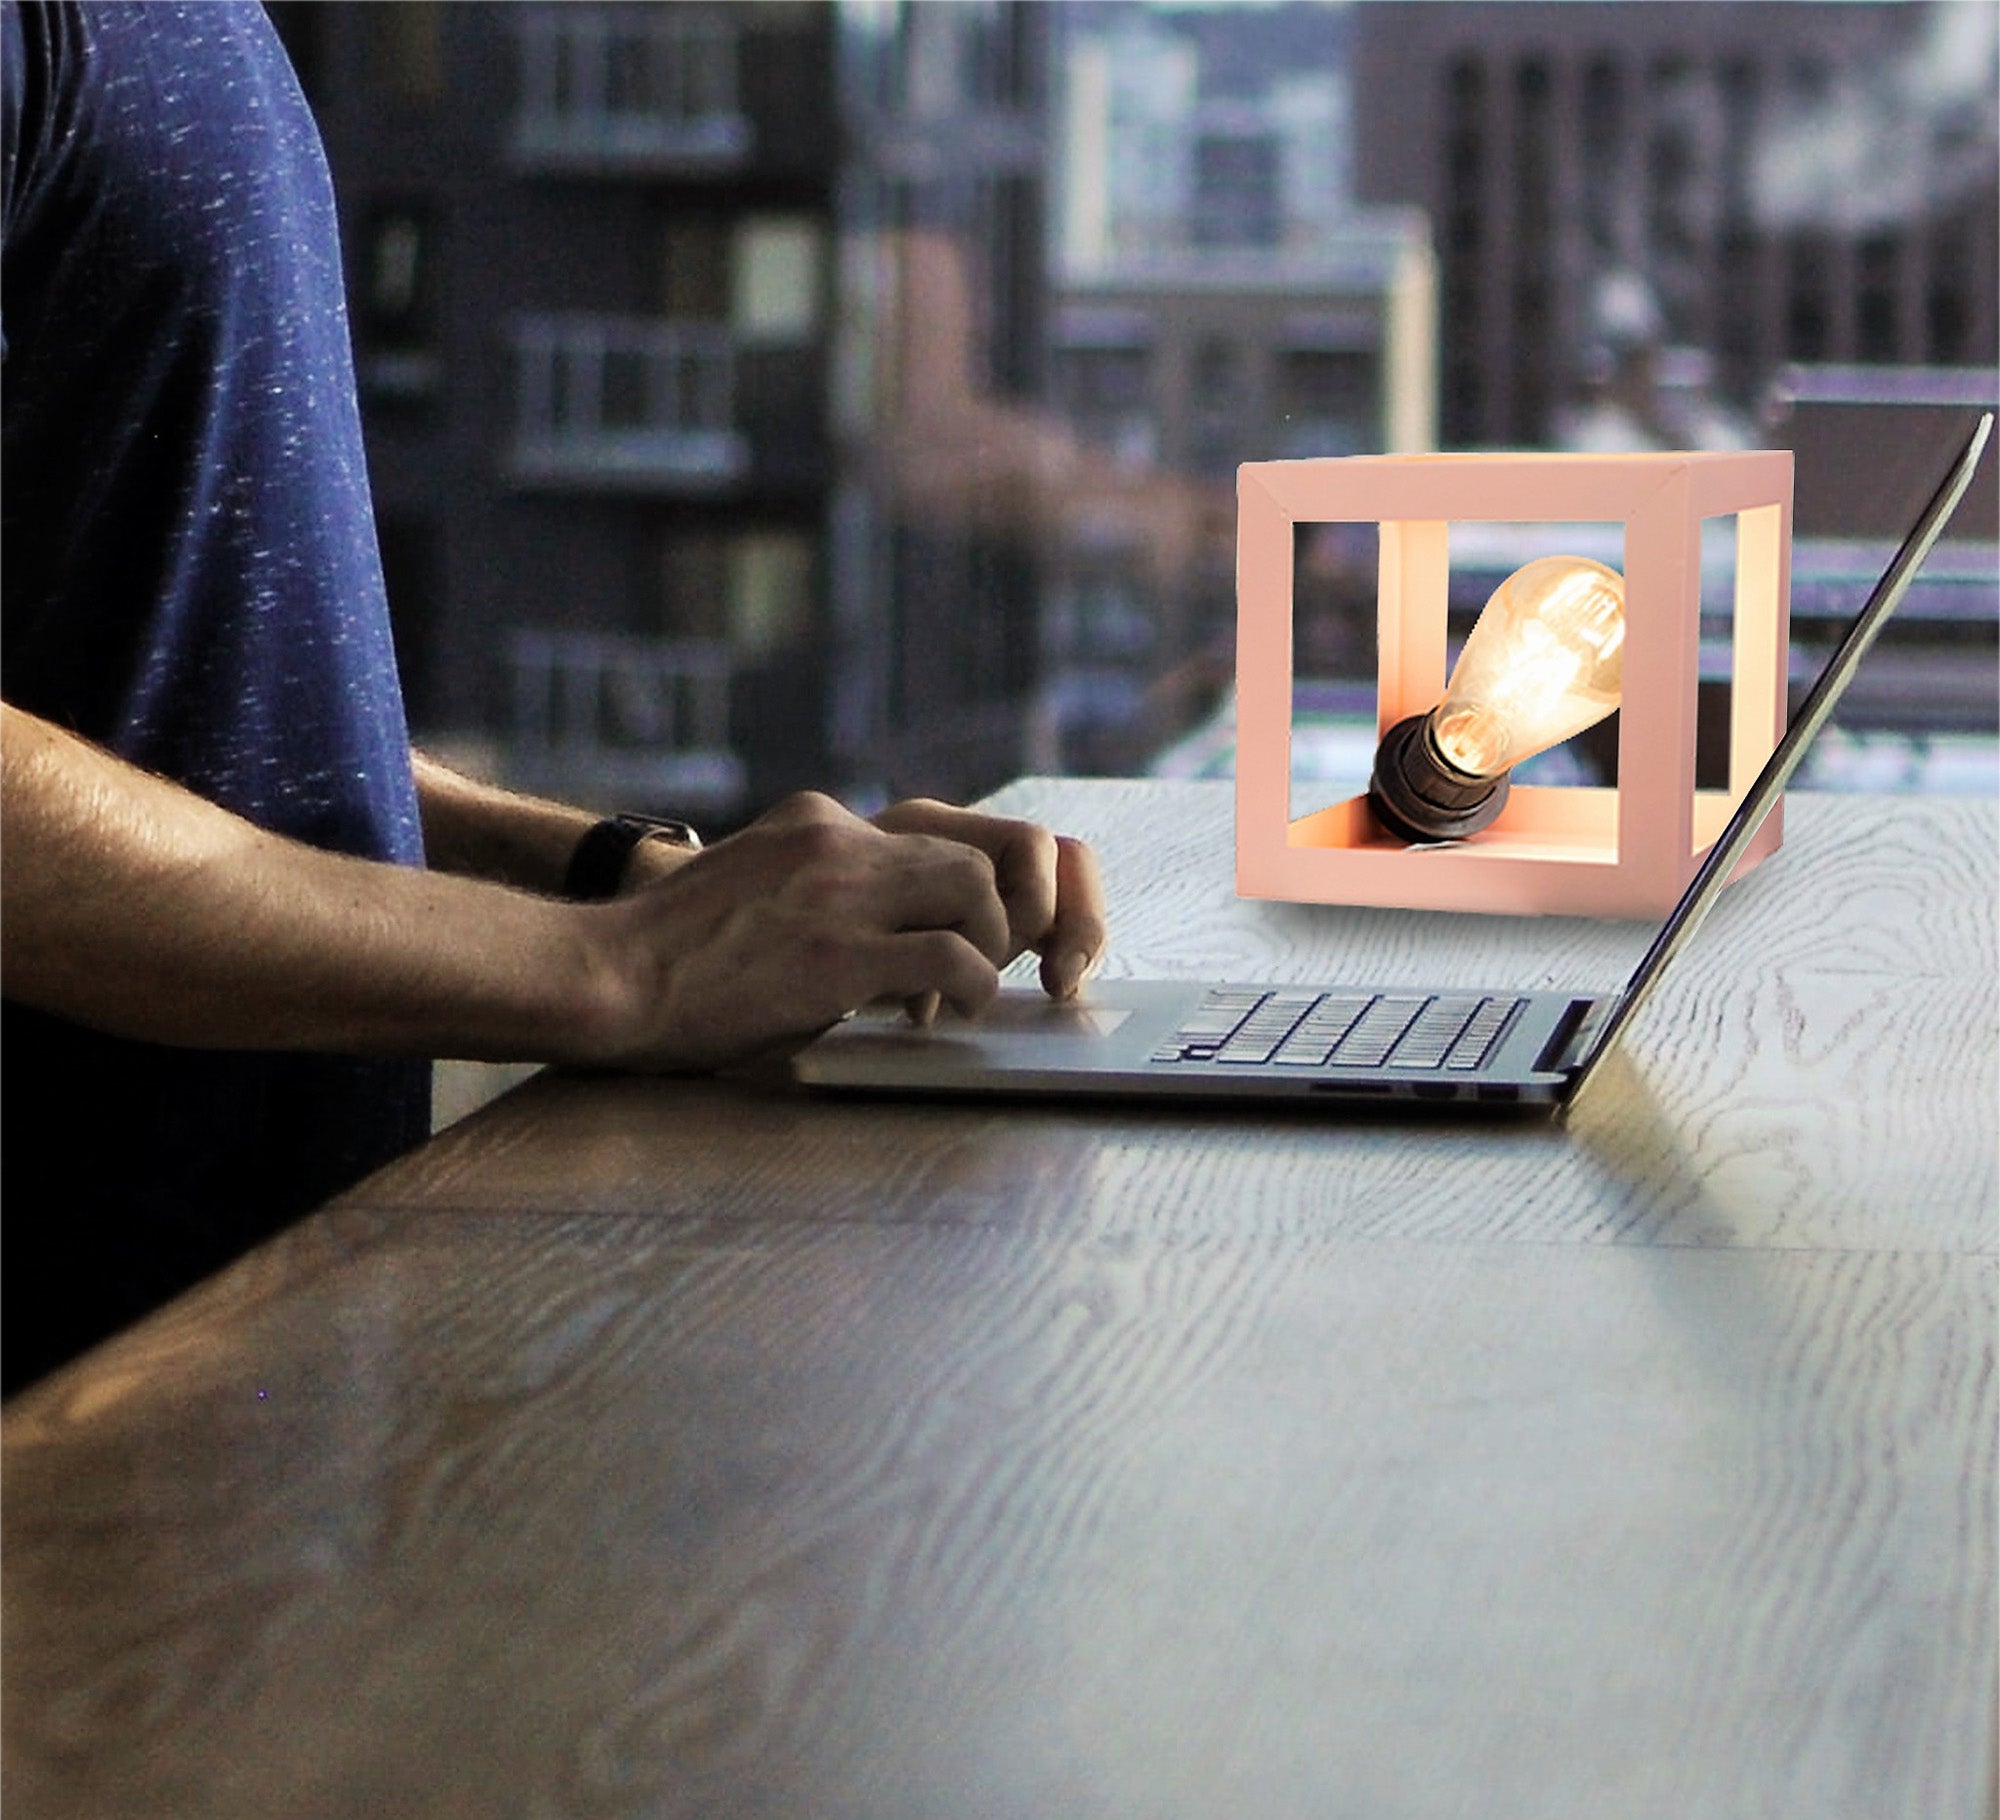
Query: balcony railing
[629, 88]
[638, 721]
[627, 402]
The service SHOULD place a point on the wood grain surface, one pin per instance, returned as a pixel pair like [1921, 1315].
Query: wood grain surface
[678, 1447]
[1820, 1070]
[616, 1515]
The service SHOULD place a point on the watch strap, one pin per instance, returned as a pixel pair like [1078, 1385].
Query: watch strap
[597, 867]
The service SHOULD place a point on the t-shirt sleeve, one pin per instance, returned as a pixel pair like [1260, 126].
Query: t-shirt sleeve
[13, 79]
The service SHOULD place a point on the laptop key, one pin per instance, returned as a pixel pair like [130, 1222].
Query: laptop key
[1267, 1027]
[1368, 1044]
[1218, 1028]
[1319, 1030]
[1480, 1033]
[1218, 1016]
[1437, 1027]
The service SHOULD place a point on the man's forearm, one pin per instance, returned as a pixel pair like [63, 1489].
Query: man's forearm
[132, 905]
[482, 831]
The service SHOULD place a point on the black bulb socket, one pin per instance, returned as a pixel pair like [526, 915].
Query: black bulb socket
[1418, 795]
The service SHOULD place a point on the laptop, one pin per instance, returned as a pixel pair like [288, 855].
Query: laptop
[1448, 1045]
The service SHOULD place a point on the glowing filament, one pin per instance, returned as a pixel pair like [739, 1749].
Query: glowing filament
[1544, 662]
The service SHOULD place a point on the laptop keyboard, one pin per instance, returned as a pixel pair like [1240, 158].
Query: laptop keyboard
[1307, 1029]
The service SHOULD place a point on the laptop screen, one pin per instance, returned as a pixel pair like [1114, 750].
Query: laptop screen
[1770, 782]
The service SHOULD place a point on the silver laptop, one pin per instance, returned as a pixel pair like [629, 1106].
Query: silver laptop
[1340, 1042]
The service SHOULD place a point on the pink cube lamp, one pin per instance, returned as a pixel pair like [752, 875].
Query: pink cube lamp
[1626, 850]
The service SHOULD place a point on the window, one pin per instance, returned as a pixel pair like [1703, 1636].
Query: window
[770, 593]
[1014, 328]
[694, 269]
[1878, 321]
[1212, 374]
[1948, 293]
[1236, 193]
[775, 279]
[405, 49]
[398, 317]
[1808, 332]
[1106, 381]
[694, 585]
[628, 85]
[1331, 401]
[398, 303]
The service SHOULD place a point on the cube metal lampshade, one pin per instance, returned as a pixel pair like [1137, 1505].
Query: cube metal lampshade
[1623, 850]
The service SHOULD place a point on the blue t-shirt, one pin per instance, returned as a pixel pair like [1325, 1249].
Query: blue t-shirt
[191, 580]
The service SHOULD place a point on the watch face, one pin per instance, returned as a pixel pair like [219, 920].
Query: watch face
[646, 827]
[597, 867]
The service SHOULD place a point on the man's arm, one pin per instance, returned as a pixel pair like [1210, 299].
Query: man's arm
[1048, 883]
[132, 905]
[482, 831]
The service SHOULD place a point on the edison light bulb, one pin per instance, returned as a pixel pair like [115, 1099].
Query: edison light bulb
[1544, 662]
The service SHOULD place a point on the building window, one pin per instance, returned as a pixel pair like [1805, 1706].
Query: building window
[1808, 330]
[1330, 401]
[1948, 294]
[1108, 398]
[1016, 257]
[1878, 327]
[1236, 191]
[1106, 381]
[755, 591]
[771, 588]
[1212, 374]
[1603, 132]
[1534, 203]
[1464, 273]
[775, 279]
[397, 305]
[405, 49]
[625, 399]
[398, 313]
[301, 28]
[629, 84]
[694, 268]
[694, 585]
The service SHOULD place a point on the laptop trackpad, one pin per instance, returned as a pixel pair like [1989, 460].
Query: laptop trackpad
[1018, 1027]
[1013, 1013]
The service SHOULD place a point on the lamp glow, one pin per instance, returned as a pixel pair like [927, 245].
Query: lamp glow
[1544, 661]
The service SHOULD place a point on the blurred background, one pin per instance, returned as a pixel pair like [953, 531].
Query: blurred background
[848, 393]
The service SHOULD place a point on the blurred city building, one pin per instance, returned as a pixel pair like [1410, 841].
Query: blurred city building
[1787, 182]
[589, 254]
[849, 392]
[1219, 297]
[941, 363]
[1664, 226]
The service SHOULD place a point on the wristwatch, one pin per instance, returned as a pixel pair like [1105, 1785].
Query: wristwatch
[597, 867]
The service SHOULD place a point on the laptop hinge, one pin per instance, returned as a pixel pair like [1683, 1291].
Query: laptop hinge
[1574, 1035]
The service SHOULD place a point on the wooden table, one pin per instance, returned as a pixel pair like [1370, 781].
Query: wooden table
[666, 1447]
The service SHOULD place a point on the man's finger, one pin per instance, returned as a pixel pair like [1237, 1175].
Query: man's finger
[1023, 855]
[1075, 943]
[946, 884]
[923, 961]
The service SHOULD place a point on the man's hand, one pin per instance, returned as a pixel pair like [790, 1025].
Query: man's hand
[1048, 883]
[809, 912]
